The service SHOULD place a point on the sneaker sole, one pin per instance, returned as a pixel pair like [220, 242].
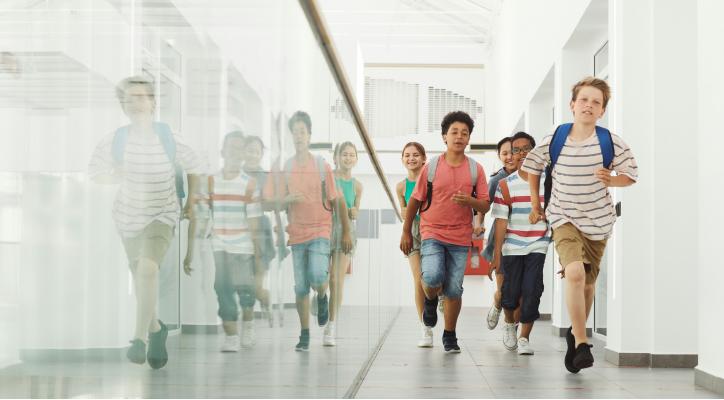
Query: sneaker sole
[455, 351]
[424, 345]
[301, 349]
[527, 353]
[510, 348]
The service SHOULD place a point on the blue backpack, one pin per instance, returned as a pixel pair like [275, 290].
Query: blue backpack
[556, 146]
[165, 135]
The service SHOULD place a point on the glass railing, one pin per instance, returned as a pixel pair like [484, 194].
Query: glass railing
[160, 176]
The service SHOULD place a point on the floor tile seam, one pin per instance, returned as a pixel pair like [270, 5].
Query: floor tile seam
[485, 379]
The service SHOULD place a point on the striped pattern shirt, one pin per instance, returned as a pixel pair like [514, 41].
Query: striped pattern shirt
[233, 202]
[148, 180]
[521, 237]
[577, 196]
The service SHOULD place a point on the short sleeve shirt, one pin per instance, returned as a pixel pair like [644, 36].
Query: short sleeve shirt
[308, 219]
[445, 220]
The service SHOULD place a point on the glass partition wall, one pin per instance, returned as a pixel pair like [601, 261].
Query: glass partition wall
[160, 162]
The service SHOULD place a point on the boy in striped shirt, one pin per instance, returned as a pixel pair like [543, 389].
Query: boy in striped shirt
[520, 248]
[147, 205]
[236, 207]
[580, 210]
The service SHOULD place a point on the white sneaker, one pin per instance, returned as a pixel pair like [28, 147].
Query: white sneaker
[426, 338]
[329, 338]
[248, 338]
[493, 317]
[510, 336]
[231, 344]
[524, 348]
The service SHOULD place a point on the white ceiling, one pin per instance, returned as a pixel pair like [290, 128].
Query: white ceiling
[426, 31]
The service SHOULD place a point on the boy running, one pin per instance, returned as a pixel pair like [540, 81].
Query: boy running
[580, 210]
[309, 201]
[446, 222]
[520, 249]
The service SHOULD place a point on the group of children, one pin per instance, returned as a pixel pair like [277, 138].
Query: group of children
[555, 191]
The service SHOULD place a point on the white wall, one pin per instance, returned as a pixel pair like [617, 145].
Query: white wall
[710, 297]
[526, 41]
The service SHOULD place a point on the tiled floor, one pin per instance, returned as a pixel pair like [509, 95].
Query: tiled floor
[272, 369]
[197, 369]
[485, 369]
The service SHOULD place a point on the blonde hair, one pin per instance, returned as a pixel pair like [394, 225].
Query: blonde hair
[599, 84]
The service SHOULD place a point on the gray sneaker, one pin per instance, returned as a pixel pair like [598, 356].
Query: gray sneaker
[157, 354]
[137, 352]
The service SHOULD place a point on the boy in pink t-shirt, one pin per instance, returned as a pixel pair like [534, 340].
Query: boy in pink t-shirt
[446, 223]
[299, 191]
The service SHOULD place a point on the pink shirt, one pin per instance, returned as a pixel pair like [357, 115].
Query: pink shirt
[308, 219]
[445, 220]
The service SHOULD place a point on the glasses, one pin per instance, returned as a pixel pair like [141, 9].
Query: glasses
[524, 149]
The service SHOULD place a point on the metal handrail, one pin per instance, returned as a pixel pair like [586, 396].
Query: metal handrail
[319, 26]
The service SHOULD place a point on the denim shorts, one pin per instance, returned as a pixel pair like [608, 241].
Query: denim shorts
[443, 264]
[523, 278]
[234, 276]
[311, 265]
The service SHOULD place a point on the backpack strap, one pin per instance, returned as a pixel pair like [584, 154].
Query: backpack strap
[323, 178]
[558, 141]
[431, 169]
[118, 147]
[473, 175]
[605, 140]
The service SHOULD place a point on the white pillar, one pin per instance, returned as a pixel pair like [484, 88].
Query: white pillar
[710, 371]
[652, 317]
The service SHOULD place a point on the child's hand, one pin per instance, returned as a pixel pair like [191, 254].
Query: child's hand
[187, 264]
[462, 198]
[604, 176]
[406, 243]
[346, 242]
[536, 215]
[353, 213]
[477, 231]
[494, 266]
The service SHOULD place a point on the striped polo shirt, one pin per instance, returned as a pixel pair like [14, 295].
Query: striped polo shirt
[577, 196]
[148, 180]
[522, 237]
[233, 202]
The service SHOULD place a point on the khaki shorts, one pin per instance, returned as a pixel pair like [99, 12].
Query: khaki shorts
[151, 243]
[573, 246]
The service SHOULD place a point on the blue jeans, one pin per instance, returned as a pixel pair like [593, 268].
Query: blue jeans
[311, 265]
[443, 264]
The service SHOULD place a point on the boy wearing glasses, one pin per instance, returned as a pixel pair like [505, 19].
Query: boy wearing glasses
[580, 210]
[520, 248]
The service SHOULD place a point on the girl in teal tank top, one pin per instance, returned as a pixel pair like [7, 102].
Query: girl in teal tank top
[413, 158]
[345, 158]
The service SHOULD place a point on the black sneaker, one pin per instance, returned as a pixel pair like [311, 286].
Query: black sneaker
[570, 352]
[137, 352]
[157, 354]
[429, 312]
[583, 357]
[322, 310]
[450, 342]
[303, 344]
